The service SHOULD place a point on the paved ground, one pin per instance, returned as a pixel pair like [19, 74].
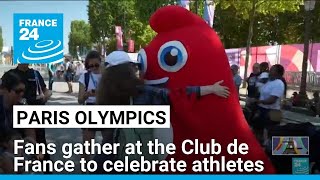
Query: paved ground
[61, 136]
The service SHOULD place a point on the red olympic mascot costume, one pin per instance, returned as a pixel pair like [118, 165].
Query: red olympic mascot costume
[187, 52]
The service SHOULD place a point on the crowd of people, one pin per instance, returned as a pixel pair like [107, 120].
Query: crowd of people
[118, 80]
[266, 88]
[68, 71]
[119, 83]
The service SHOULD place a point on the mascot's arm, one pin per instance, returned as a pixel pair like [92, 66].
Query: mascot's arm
[199, 91]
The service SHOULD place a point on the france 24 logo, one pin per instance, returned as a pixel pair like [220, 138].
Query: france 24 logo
[38, 38]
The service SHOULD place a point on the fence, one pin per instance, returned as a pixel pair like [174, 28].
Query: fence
[289, 56]
[294, 80]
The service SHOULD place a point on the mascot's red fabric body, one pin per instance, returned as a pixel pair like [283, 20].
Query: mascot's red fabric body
[187, 52]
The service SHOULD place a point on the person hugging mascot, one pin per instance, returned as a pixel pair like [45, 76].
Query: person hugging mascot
[187, 52]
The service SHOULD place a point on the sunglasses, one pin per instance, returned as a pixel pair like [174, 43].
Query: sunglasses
[19, 91]
[94, 65]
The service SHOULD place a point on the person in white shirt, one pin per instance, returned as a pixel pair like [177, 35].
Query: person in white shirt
[88, 84]
[80, 69]
[271, 94]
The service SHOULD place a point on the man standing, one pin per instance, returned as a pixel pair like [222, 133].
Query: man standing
[51, 73]
[68, 74]
[35, 93]
[236, 77]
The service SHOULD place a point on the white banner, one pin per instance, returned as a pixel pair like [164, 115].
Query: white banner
[55, 116]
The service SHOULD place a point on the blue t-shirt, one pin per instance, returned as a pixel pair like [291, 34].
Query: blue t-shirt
[237, 80]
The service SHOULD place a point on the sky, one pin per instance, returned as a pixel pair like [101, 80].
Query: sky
[72, 10]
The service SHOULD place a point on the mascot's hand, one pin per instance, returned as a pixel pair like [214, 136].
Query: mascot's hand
[219, 90]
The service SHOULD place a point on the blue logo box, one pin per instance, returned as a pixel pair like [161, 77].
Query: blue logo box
[290, 145]
[300, 166]
[38, 38]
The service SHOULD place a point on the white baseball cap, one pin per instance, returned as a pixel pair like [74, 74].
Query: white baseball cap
[118, 57]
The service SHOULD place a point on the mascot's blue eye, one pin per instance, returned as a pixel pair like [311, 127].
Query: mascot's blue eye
[172, 56]
[142, 60]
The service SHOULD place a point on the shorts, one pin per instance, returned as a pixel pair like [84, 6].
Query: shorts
[68, 77]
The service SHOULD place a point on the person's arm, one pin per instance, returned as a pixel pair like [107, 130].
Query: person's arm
[269, 101]
[44, 89]
[163, 93]
[216, 89]
[82, 95]
[276, 92]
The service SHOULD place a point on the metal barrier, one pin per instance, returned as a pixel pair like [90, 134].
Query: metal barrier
[294, 79]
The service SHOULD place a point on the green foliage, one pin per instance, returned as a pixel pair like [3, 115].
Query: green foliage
[231, 27]
[145, 8]
[275, 21]
[265, 7]
[119, 13]
[79, 36]
[280, 21]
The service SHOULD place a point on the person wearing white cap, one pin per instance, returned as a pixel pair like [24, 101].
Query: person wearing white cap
[118, 57]
[120, 85]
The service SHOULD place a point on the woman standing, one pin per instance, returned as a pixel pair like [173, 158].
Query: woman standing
[88, 84]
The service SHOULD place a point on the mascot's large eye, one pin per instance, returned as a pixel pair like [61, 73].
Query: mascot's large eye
[172, 56]
[142, 60]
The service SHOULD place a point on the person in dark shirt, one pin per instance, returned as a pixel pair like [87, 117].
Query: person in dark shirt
[11, 93]
[253, 92]
[253, 78]
[36, 93]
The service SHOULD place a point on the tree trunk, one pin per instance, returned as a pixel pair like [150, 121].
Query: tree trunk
[197, 6]
[104, 47]
[250, 35]
[303, 85]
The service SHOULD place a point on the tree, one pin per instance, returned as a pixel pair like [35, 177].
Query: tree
[118, 13]
[248, 9]
[100, 20]
[145, 9]
[1, 40]
[79, 37]
[141, 33]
